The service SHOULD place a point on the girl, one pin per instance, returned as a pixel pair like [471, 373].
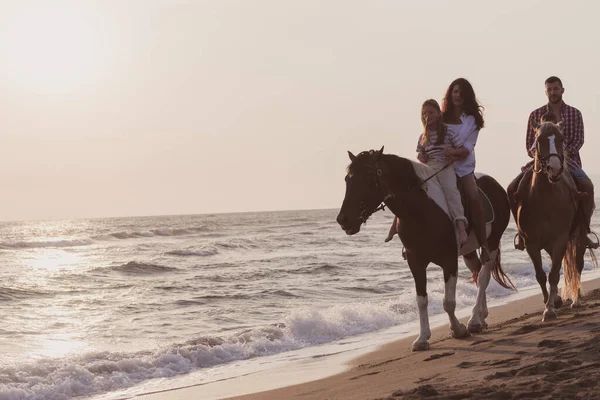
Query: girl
[430, 150]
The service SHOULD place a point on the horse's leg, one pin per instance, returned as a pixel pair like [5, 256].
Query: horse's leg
[480, 311]
[418, 270]
[450, 277]
[557, 253]
[536, 258]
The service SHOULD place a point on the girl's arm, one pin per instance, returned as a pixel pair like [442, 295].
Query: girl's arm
[421, 155]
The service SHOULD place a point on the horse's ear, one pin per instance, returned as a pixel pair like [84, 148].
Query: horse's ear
[379, 153]
[561, 125]
[535, 125]
[352, 156]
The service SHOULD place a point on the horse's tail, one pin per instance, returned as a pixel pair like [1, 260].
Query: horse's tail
[571, 272]
[499, 275]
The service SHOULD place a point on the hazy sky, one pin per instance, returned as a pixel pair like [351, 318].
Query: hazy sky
[146, 107]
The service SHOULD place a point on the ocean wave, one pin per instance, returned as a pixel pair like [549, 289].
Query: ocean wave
[139, 268]
[239, 243]
[100, 372]
[46, 243]
[192, 253]
[152, 233]
[316, 268]
[11, 294]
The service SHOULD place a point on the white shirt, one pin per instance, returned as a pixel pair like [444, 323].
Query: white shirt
[465, 135]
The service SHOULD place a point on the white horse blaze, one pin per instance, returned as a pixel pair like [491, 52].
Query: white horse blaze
[553, 162]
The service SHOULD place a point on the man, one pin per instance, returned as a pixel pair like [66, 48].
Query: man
[572, 122]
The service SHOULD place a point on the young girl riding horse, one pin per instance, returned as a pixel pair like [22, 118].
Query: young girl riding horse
[431, 147]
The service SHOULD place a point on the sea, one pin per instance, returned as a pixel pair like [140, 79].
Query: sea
[112, 308]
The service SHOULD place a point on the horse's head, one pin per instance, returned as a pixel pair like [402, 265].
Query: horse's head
[364, 193]
[549, 157]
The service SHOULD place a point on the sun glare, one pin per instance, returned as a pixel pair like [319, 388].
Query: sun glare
[55, 49]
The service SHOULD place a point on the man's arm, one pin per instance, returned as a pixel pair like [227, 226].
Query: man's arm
[530, 136]
[574, 142]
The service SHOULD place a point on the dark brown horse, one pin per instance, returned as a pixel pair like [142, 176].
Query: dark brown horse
[426, 229]
[548, 218]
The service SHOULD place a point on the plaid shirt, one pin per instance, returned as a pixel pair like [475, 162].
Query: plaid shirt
[572, 129]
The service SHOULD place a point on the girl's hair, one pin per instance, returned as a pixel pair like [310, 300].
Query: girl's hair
[470, 104]
[440, 128]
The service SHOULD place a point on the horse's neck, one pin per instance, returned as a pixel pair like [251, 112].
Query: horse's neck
[409, 201]
[408, 205]
[548, 193]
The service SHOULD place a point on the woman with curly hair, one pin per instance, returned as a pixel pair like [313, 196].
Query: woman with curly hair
[463, 117]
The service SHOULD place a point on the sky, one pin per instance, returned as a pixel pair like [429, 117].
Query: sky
[156, 107]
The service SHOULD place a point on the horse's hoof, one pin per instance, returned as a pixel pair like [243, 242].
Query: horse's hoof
[549, 315]
[475, 328]
[576, 304]
[461, 333]
[558, 302]
[420, 346]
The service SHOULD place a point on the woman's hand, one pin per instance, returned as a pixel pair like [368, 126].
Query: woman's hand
[456, 153]
[422, 157]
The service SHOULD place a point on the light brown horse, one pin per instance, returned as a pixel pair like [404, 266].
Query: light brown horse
[548, 218]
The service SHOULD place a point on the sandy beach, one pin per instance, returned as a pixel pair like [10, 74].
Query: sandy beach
[517, 357]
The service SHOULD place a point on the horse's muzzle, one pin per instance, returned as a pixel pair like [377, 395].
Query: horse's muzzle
[346, 225]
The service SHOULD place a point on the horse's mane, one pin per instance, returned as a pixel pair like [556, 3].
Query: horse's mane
[418, 174]
[548, 128]
[411, 173]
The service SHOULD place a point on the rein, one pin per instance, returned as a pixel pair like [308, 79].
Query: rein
[364, 215]
[543, 163]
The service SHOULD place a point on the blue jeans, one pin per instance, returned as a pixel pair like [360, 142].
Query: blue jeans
[576, 173]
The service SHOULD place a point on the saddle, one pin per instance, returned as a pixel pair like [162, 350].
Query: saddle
[488, 210]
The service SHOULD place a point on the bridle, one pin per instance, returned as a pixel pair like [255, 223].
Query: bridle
[377, 172]
[542, 163]
[382, 186]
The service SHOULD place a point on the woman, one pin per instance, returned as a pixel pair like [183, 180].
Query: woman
[464, 118]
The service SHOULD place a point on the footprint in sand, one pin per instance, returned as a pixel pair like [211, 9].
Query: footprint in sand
[501, 342]
[549, 343]
[436, 356]
[526, 329]
[475, 343]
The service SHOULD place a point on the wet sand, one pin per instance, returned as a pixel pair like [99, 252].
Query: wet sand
[517, 357]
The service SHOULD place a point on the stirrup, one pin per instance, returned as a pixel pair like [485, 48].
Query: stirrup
[591, 243]
[403, 253]
[518, 242]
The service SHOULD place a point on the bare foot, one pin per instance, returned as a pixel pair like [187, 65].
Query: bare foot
[393, 230]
